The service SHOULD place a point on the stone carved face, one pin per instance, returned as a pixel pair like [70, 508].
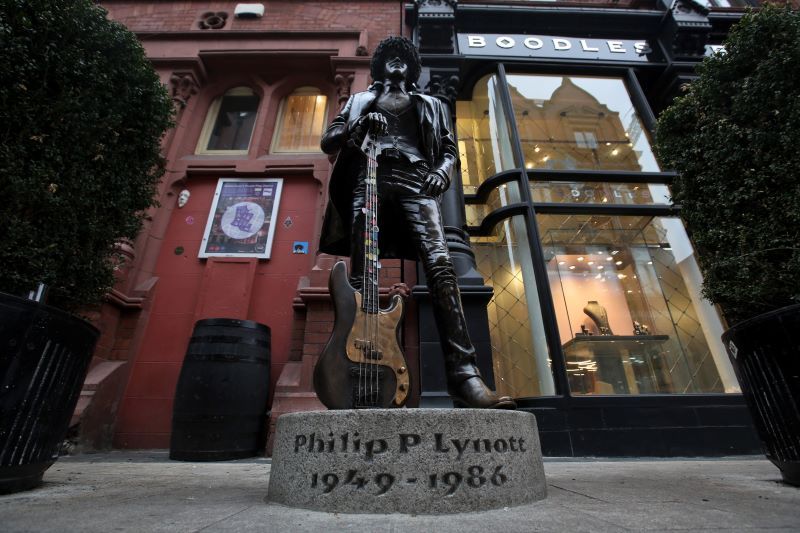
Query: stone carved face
[183, 197]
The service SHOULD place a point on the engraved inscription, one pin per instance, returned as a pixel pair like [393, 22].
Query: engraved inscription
[406, 442]
[446, 483]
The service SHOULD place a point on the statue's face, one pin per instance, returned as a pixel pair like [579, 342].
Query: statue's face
[396, 68]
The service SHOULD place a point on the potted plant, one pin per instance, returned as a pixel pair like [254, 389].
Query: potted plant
[733, 137]
[82, 113]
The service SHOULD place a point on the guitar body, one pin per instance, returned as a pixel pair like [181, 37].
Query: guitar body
[354, 372]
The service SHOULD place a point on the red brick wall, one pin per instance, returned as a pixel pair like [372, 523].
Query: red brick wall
[379, 17]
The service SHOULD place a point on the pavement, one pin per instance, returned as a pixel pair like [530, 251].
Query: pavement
[143, 491]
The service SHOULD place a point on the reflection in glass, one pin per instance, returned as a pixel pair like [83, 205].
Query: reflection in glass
[301, 121]
[483, 135]
[661, 335]
[519, 350]
[578, 122]
[234, 122]
[573, 192]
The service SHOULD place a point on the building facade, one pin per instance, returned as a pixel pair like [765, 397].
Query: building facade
[578, 279]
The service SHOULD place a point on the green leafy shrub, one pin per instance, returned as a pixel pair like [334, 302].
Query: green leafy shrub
[82, 113]
[735, 139]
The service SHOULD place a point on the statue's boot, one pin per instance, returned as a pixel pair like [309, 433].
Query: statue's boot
[464, 382]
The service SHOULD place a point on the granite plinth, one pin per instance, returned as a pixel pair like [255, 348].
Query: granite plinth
[415, 461]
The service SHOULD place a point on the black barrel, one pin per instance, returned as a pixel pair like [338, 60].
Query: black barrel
[220, 409]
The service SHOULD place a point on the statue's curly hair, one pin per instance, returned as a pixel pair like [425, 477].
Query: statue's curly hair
[396, 46]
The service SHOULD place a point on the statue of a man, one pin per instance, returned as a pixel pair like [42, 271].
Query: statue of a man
[415, 166]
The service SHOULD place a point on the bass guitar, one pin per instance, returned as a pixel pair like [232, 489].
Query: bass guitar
[362, 366]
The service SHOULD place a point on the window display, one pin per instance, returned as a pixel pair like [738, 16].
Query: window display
[626, 305]
[627, 321]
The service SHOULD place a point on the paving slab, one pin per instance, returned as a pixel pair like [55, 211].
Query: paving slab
[145, 491]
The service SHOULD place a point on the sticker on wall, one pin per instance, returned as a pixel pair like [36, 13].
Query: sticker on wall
[288, 222]
[190, 220]
[300, 247]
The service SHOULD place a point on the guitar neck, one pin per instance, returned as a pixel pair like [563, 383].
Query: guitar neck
[371, 263]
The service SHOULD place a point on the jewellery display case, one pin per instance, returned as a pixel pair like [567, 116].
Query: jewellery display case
[615, 323]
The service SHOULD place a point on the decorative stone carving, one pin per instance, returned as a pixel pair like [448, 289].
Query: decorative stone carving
[436, 26]
[343, 83]
[212, 20]
[444, 87]
[687, 30]
[362, 51]
[183, 86]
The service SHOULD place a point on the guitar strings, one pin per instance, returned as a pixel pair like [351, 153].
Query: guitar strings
[375, 290]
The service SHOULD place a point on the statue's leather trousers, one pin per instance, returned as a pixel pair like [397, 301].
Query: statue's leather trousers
[400, 202]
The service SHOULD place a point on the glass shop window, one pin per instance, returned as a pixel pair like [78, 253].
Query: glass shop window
[301, 121]
[631, 319]
[484, 138]
[723, 3]
[229, 123]
[578, 192]
[521, 360]
[578, 123]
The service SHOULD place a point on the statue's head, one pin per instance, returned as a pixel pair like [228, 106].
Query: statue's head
[391, 48]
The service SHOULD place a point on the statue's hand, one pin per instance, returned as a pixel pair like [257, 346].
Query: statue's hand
[375, 123]
[433, 185]
[371, 122]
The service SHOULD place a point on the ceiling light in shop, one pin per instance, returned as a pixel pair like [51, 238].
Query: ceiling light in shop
[617, 262]
[621, 276]
[615, 151]
[601, 267]
[536, 149]
[580, 258]
[562, 262]
[590, 263]
[611, 259]
[614, 252]
[572, 267]
[528, 165]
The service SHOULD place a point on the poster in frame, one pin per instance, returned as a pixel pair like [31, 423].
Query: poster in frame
[242, 218]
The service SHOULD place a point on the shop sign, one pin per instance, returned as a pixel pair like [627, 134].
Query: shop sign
[551, 47]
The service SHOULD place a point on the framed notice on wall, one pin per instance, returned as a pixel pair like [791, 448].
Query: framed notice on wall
[242, 218]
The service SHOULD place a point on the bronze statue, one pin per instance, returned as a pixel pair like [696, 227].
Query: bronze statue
[416, 163]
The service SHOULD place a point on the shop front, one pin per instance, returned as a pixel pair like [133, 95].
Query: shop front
[596, 321]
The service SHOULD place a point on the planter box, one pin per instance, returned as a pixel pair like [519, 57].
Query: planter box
[765, 352]
[44, 357]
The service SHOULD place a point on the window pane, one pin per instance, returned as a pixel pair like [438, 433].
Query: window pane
[301, 123]
[629, 311]
[484, 139]
[519, 350]
[574, 192]
[234, 123]
[579, 122]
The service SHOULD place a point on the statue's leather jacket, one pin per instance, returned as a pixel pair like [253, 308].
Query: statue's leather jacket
[437, 143]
